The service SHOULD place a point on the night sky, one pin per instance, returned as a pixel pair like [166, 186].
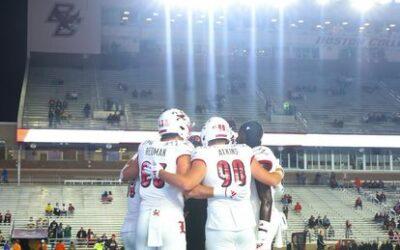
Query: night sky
[13, 53]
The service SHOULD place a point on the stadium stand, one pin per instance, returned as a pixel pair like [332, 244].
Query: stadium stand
[339, 207]
[319, 101]
[90, 212]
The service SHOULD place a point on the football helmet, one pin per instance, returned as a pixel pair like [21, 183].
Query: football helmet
[174, 121]
[216, 128]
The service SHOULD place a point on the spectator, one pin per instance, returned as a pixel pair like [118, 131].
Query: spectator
[318, 221]
[63, 211]
[320, 241]
[6, 246]
[331, 232]
[53, 225]
[16, 245]
[99, 245]
[109, 196]
[104, 238]
[60, 245]
[87, 110]
[1, 218]
[90, 237]
[72, 246]
[348, 229]
[43, 245]
[357, 184]
[134, 93]
[4, 175]
[81, 235]
[7, 217]
[311, 222]
[71, 209]
[67, 232]
[286, 211]
[2, 241]
[60, 231]
[111, 244]
[48, 210]
[56, 210]
[297, 207]
[326, 222]
[358, 203]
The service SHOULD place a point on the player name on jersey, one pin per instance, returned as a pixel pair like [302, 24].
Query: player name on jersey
[150, 151]
[228, 151]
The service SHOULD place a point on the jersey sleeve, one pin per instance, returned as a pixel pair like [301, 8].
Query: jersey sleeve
[142, 146]
[266, 157]
[185, 148]
[199, 154]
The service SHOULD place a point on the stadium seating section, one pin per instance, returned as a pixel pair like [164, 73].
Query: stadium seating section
[338, 205]
[315, 110]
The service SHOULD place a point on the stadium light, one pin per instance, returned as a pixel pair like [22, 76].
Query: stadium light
[383, 1]
[281, 4]
[322, 2]
[196, 4]
[363, 5]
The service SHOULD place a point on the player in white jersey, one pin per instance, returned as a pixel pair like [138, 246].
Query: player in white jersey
[128, 230]
[225, 170]
[161, 224]
[271, 220]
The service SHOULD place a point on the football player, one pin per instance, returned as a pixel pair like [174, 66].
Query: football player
[128, 230]
[225, 169]
[161, 224]
[271, 222]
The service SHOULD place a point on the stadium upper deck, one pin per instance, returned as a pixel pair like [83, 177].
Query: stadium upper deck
[310, 101]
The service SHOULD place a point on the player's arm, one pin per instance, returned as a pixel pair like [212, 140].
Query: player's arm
[265, 195]
[262, 175]
[200, 192]
[131, 169]
[190, 176]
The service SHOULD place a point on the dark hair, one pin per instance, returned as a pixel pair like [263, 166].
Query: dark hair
[169, 136]
[252, 132]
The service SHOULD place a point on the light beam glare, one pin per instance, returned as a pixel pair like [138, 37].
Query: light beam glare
[225, 48]
[253, 61]
[191, 81]
[211, 78]
[281, 56]
[169, 60]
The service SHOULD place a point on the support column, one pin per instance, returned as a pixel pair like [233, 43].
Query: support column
[305, 160]
[364, 162]
[391, 161]
[332, 161]
[19, 165]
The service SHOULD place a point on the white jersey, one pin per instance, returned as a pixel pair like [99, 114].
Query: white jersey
[155, 193]
[265, 157]
[227, 164]
[133, 207]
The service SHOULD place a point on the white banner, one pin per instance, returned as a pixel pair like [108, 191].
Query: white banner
[68, 26]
